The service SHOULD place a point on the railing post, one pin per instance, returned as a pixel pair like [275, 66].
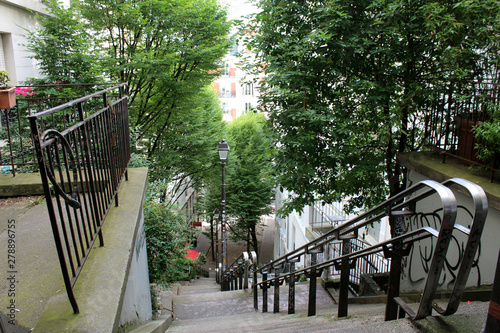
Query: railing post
[311, 308]
[231, 278]
[255, 290]
[276, 289]
[264, 292]
[245, 278]
[291, 287]
[397, 227]
[240, 275]
[344, 280]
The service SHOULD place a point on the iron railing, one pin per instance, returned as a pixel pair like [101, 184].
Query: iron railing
[374, 263]
[17, 153]
[395, 249]
[323, 215]
[83, 150]
[236, 275]
[447, 121]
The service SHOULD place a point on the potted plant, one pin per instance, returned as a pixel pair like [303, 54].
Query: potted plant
[7, 94]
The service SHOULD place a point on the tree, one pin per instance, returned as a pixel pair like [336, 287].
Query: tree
[249, 188]
[349, 83]
[62, 47]
[168, 51]
[188, 157]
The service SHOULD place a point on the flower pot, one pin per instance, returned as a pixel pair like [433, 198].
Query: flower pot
[7, 98]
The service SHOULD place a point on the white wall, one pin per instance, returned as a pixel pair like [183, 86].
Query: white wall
[414, 268]
[15, 17]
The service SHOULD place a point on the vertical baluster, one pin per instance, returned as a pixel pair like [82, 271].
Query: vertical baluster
[344, 280]
[255, 289]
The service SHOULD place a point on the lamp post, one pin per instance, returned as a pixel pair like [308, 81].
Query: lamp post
[223, 150]
[216, 219]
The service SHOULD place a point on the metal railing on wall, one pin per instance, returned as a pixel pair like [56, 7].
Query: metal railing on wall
[395, 249]
[83, 150]
[447, 122]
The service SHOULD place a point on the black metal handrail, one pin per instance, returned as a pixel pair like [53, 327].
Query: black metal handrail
[82, 160]
[448, 121]
[350, 228]
[370, 264]
[236, 275]
[394, 248]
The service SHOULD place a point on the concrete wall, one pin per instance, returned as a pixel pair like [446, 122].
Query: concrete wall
[416, 264]
[17, 18]
[137, 300]
[114, 282]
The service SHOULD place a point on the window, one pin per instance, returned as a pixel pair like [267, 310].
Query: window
[248, 107]
[225, 107]
[225, 90]
[248, 89]
[225, 70]
[234, 50]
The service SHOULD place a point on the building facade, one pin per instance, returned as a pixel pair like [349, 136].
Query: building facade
[237, 91]
[17, 20]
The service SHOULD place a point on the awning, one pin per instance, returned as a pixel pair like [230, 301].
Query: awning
[192, 254]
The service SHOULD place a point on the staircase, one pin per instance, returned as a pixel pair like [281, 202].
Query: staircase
[200, 306]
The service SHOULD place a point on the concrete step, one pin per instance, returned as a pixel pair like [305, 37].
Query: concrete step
[200, 286]
[208, 305]
[363, 318]
[232, 311]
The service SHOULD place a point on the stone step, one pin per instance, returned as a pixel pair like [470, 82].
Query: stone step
[363, 318]
[233, 311]
[206, 305]
[202, 281]
[199, 286]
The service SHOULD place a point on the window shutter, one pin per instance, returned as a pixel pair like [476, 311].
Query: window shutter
[233, 89]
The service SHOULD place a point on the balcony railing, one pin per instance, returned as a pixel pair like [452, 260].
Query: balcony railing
[83, 150]
[17, 153]
[448, 120]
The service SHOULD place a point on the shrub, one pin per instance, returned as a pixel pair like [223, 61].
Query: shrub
[167, 237]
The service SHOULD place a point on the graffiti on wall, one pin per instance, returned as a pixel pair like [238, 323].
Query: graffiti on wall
[417, 264]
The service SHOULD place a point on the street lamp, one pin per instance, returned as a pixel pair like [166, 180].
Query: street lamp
[216, 219]
[223, 150]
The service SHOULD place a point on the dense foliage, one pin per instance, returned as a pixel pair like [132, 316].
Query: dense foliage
[167, 237]
[168, 52]
[62, 47]
[249, 187]
[348, 85]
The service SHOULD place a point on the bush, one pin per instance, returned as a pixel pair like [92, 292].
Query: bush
[167, 237]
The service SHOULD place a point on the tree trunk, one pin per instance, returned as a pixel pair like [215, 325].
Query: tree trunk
[254, 242]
